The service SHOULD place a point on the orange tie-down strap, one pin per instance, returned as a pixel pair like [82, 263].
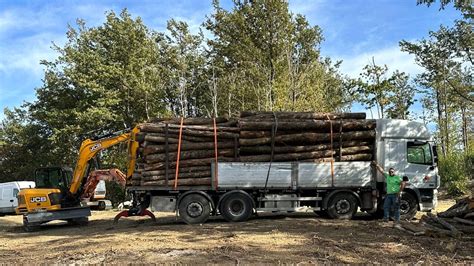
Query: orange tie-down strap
[216, 178]
[179, 153]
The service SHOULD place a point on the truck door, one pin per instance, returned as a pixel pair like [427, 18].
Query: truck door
[420, 167]
[394, 156]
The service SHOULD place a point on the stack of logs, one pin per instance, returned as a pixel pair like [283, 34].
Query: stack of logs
[305, 136]
[457, 221]
[159, 144]
[255, 137]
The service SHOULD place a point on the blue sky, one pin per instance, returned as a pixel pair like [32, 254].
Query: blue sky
[354, 32]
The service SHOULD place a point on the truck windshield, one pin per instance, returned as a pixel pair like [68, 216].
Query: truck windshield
[419, 153]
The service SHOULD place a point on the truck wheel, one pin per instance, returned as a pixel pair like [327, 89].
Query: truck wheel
[30, 227]
[236, 207]
[342, 206]
[408, 206]
[194, 209]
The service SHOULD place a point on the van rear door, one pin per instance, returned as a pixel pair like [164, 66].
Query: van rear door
[7, 201]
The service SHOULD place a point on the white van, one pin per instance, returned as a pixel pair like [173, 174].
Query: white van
[8, 192]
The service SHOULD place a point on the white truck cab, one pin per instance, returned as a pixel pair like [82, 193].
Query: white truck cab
[8, 193]
[408, 147]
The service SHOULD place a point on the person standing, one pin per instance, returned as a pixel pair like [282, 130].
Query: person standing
[395, 185]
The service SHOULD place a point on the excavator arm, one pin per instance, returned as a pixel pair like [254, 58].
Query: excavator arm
[90, 148]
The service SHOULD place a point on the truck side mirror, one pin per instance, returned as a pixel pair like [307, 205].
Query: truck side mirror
[435, 154]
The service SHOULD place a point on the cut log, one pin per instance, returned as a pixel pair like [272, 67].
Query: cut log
[292, 149]
[308, 125]
[458, 211]
[309, 138]
[287, 156]
[306, 155]
[153, 148]
[181, 182]
[193, 132]
[443, 223]
[161, 137]
[469, 215]
[344, 158]
[191, 120]
[437, 232]
[192, 154]
[301, 115]
[196, 174]
[187, 163]
[158, 127]
[417, 229]
[463, 221]
[181, 170]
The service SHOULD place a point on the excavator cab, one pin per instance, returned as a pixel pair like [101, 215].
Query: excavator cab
[53, 177]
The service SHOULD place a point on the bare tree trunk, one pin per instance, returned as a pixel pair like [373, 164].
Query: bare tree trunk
[446, 118]
[440, 120]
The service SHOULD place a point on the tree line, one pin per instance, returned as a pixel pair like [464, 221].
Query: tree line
[256, 55]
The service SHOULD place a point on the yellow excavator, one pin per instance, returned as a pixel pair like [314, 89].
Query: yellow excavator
[58, 191]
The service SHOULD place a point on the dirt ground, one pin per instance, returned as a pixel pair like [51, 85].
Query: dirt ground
[297, 238]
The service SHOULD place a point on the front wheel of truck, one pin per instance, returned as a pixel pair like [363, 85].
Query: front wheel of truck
[342, 206]
[408, 206]
[194, 209]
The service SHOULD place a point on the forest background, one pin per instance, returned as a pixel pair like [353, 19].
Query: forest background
[256, 55]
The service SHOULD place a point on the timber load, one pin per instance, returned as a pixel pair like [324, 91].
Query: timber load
[179, 152]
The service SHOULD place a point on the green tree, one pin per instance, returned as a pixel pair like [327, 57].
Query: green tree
[402, 96]
[183, 69]
[265, 58]
[373, 87]
[105, 78]
[443, 56]
[24, 147]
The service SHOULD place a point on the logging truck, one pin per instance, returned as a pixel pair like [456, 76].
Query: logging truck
[239, 188]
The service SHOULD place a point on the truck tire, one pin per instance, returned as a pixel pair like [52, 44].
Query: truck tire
[236, 207]
[342, 206]
[194, 209]
[408, 206]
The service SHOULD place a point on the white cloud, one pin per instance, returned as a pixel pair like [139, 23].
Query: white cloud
[390, 56]
[26, 53]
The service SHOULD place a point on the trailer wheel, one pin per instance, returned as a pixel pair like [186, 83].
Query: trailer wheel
[194, 209]
[342, 206]
[408, 206]
[236, 207]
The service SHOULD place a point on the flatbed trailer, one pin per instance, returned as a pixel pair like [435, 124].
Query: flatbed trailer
[338, 189]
